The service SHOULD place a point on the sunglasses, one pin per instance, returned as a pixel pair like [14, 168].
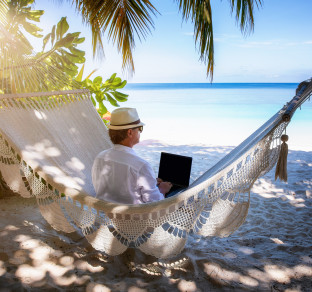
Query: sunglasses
[140, 129]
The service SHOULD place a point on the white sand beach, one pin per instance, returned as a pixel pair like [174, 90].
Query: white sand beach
[271, 251]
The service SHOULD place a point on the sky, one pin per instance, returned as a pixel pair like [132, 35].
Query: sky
[278, 50]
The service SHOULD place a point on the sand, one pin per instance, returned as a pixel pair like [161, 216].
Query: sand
[271, 251]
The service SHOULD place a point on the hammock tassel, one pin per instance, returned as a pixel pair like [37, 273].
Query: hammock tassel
[281, 166]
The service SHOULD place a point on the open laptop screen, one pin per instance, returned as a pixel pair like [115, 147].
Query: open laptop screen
[175, 169]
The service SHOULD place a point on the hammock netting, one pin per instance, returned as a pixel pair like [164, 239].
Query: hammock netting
[49, 140]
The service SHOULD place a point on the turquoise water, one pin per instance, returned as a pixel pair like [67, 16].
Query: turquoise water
[215, 114]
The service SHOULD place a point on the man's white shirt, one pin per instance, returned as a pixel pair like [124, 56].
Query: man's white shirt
[120, 176]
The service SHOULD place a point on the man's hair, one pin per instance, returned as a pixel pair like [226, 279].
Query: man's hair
[118, 136]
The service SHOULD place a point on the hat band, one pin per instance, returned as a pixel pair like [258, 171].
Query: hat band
[133, 123]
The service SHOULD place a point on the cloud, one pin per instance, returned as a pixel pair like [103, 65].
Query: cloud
[277, 44]
[222, 38]
[258, 44]
[292, 44]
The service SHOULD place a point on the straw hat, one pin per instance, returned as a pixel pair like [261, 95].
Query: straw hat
[124, 118]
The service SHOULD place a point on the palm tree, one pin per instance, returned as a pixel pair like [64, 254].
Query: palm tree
[123, 20]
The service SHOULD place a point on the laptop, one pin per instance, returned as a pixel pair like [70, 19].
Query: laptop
[175, 169]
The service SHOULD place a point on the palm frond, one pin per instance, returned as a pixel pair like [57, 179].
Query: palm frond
[21, 73]
[200, 13]
[244, 13]
[3, 11]
[122, 20]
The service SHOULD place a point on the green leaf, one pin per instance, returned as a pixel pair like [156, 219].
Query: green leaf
[105, 121]
[62, 28]
[74, 34]
[123, 84]
[76, 51]
[74, 58]
[71, 71]
[118, 85]
[80, 74]
[111, 100]
[111, 79]
[53, 34]
[99, 96]
[93, 101]
[117, 80]
[97, 80]
[79, 40]
[35, 15]
[32, 29]
[120, 96]
[92, 86]
[107, 84]
[63, 42]
[102, 108]
[88, 82]
[63, 59]
[45, 40]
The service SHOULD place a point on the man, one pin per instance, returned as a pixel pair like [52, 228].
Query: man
[118, 174]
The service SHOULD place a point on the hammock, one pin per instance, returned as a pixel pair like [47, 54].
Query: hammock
[49, 140]
[47, 147]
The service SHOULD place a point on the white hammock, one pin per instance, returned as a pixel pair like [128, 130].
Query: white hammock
[48, 142]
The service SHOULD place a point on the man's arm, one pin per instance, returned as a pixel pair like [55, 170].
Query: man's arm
[148, 185]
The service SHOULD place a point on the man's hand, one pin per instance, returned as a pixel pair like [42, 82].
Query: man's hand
[159, 180]
[164, 187]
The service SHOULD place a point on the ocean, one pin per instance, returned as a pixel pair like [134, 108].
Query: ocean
[218, 114]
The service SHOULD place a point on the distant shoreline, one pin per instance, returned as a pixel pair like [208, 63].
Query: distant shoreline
[225, 85]
[214, 83]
